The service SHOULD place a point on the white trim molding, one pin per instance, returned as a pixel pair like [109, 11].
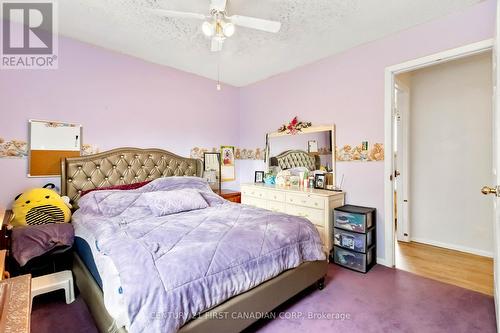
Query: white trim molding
[449, 246]
[382, 261]
[390, 72]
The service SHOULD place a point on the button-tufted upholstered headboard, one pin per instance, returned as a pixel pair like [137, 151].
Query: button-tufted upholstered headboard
[296, 158]
[122, 166]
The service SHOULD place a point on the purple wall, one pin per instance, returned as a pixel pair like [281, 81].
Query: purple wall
[119, 100]
[348, 90]
[124, 101]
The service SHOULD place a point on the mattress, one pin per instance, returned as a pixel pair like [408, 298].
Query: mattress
[109, 282]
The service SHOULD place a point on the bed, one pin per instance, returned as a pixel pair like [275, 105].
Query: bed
[125, 166]
[296, 158]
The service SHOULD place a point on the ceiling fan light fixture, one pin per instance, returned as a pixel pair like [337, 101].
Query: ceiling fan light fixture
[228, 29]
[208, 29]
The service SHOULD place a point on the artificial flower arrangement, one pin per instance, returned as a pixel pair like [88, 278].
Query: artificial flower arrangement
[294, 126]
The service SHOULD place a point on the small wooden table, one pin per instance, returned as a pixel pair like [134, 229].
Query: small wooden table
[230, 195]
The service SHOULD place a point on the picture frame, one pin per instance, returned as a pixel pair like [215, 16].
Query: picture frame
[319, 181]
[227, 163]
[312, 146]
[212, 169]
[259, 177]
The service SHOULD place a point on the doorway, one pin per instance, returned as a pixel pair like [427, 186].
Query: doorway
[442, 154]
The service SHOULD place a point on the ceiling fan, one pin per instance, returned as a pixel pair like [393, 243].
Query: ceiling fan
[218, 25]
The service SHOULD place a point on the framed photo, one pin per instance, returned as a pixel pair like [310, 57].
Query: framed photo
[227, 163]
[212, 169]
[259, 176]
[312, 146]
[319, 181]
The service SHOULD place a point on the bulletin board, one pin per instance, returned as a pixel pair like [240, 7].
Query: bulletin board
[51, 141]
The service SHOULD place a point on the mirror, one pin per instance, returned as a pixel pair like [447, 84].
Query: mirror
[212, 170]
[51, 141]
[312, 148]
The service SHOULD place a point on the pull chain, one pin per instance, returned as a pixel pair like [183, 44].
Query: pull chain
[219, 87]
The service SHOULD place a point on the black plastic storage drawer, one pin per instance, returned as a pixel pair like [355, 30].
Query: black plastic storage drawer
[354, 218]
[353, 240]
[361, 262]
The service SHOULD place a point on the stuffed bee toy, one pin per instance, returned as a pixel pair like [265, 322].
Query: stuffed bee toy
[40, 206]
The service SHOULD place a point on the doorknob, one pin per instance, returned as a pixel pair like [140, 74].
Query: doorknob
[490, 190]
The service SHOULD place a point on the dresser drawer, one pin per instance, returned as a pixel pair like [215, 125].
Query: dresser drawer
[256, 202]
[316, 216]
[254, 192]
[276, 206]
[275, 196]
[305, 200]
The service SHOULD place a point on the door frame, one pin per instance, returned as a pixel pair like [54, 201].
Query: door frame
[389, 167]
[402, 163]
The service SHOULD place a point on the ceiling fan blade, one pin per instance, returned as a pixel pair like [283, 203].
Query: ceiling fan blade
[218, 5]
[176, 14]
[255, 23]
[216, 44]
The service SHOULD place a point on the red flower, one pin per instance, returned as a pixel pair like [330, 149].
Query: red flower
[294, 121]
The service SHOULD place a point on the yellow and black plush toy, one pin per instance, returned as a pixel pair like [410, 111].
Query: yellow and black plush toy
[40, 206]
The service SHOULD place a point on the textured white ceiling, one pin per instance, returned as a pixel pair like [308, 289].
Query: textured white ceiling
[311, 30]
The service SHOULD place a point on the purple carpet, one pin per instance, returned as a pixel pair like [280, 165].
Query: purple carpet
[51, 314]
[384, 300]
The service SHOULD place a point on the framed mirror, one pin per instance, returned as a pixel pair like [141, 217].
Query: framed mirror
[49, 142]
[312, 148]
[212, 170]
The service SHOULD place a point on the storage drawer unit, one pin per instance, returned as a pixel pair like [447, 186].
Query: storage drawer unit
[354, 218]
[360, 262]
[353, 240]
[355, 237]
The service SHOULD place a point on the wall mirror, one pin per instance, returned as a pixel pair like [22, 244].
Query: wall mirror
[312, 148]
[49, 142]
[212, 170]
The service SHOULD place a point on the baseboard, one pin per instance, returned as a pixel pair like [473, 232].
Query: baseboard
[453, 247]
[382, 261]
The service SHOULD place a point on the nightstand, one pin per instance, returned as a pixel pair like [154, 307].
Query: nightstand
[230, 195]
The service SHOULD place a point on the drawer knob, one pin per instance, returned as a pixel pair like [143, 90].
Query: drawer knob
[315, 204]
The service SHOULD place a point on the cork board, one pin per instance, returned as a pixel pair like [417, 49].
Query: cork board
[51, 141]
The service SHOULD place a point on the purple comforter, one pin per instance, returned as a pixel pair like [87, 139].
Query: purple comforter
[176, 266]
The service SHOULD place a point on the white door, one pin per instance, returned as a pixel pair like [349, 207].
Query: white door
[494, 188]
[401, 156]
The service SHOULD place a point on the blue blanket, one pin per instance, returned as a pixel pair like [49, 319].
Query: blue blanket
[176, 266]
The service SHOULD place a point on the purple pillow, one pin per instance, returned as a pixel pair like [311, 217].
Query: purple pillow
[33, 241]
[164, 203]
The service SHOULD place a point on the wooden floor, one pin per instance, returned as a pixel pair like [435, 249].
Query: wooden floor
[458, 268]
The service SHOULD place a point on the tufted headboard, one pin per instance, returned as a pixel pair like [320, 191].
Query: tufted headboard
[296, 158]
[122, 166]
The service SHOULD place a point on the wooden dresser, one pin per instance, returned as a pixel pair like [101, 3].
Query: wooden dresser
[313, 204]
